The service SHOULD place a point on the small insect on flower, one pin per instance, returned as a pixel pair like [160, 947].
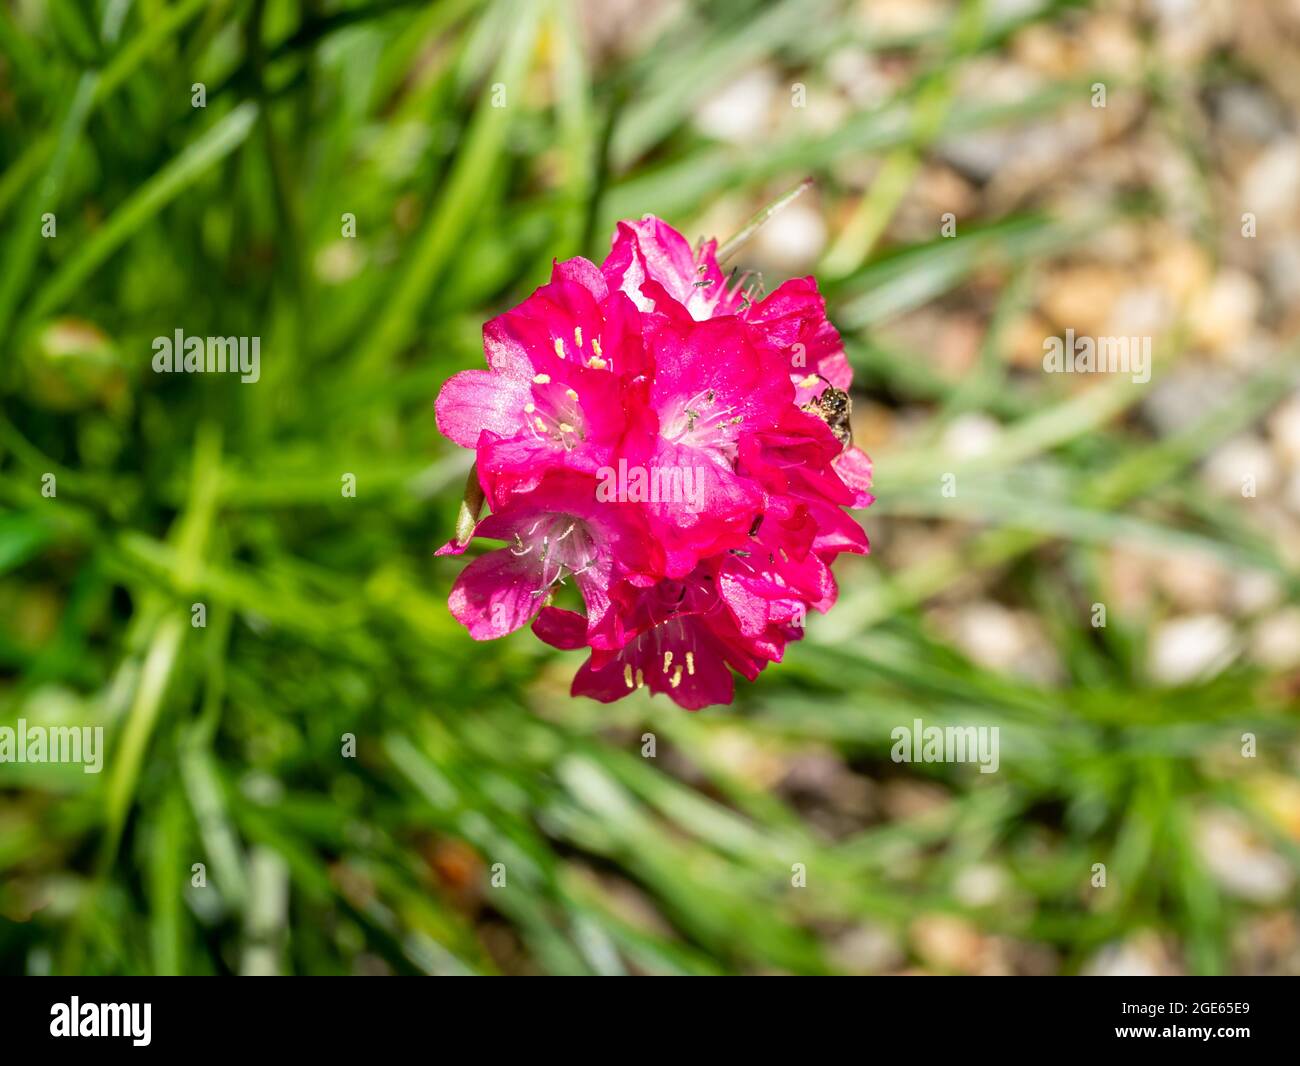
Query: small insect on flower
[834, 408]
[657, 364]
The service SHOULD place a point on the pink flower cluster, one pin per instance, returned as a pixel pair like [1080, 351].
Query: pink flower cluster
[707, 555]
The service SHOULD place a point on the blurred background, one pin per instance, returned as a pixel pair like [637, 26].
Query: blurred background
[362, 184]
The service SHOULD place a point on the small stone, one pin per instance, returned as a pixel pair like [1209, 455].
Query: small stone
[1141, 955]
[1231, 466]
[1225, 315]
[980, 885]
[738, 113]
[866, 949]
[1291, 494]
[859, 76]
[1254, 591]
[1275, 640]
[1190, 648]
[1249, 113]
[971, 436]
[339, 261]
[1177, 399]
[1193, 581]
[1284, 430]
[792, 239]
[1083, 297]
[1001, 639]
[948, 942]
[1238, 859]
[1270, 188]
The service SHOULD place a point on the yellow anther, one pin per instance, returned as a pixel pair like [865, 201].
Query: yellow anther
[627, 676]
[668, 661]
[677, 677]
[559, 347]
[577, 335]
[541, 379]
[690, 663]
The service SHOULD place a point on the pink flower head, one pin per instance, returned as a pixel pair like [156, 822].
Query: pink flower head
[648, 432]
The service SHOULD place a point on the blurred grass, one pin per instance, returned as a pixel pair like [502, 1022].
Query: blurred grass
[326, 615]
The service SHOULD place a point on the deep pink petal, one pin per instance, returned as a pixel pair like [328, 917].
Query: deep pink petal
[649, 250]
[494, 595]
[562, 629]
[566, 321]
[475, 400]
[854, 469]
[793, 319]
[656, 661]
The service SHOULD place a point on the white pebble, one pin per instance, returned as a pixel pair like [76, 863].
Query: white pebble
[1190, 648]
